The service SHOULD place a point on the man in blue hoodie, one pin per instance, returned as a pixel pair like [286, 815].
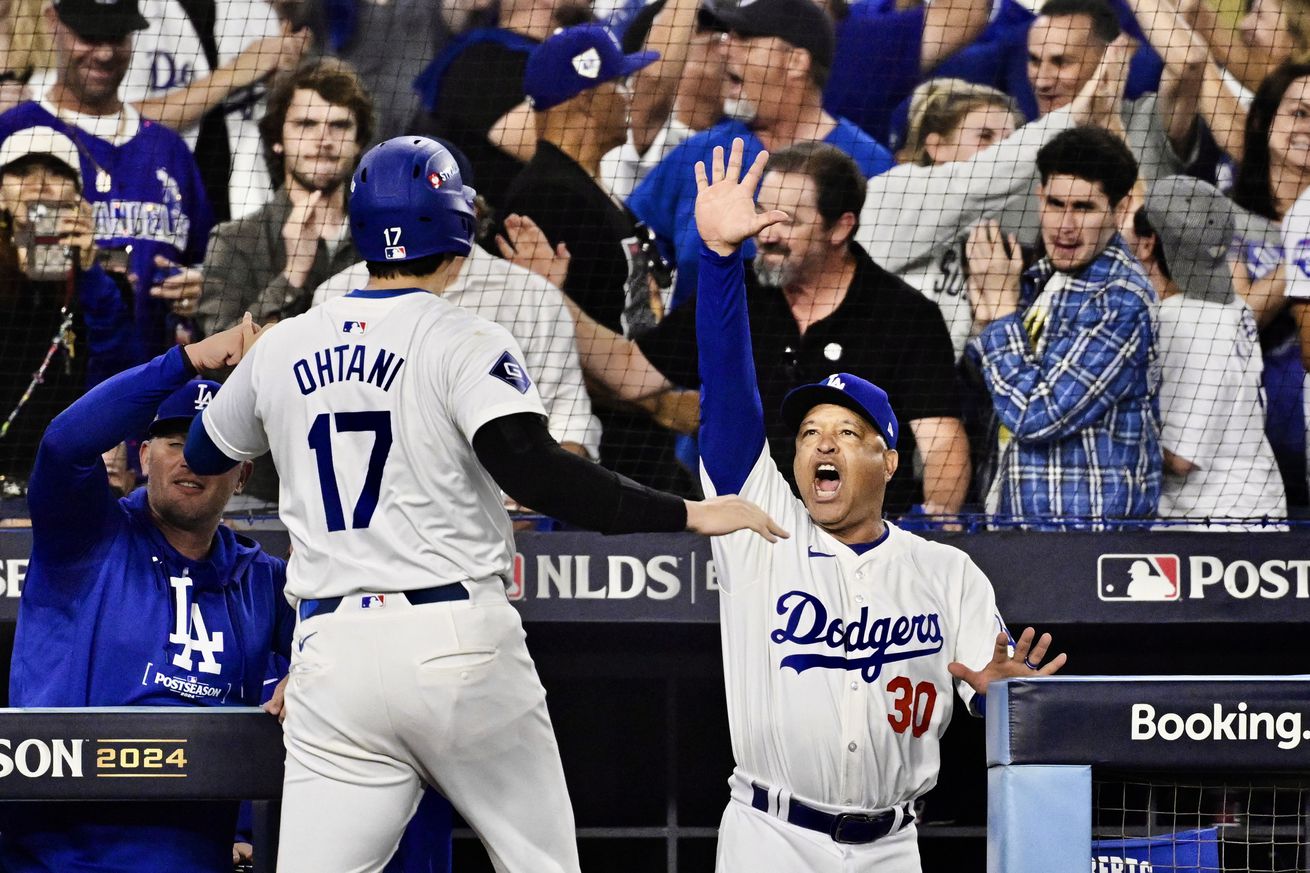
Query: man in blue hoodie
[144, 600]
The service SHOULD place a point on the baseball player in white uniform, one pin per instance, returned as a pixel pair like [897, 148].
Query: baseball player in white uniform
[393, 417]
[841, 644]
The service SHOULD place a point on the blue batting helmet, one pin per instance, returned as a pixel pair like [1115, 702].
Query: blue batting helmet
[408, 200]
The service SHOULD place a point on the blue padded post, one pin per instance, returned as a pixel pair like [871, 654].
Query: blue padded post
[1039, 817]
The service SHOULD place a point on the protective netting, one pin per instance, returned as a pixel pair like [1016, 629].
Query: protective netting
[1072, 259]
[1202, 822]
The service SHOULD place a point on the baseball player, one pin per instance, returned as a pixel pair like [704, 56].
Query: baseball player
[393, 417]
[839, 645]
[144, 600]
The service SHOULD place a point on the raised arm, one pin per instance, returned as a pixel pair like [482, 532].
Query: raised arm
[68, 493]
[732, 416]
[1194, 83]
[654, 87]
[950, 25]
[911, 210]
[183, 108]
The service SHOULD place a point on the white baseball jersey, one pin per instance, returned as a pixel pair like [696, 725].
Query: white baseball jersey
[1296, 248]
[369, 404]
[1212, 410]
[533, 311]
[169, 55]
[835, 662]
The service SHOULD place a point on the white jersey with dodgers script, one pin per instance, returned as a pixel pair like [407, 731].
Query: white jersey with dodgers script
[369, 404]
[835, 662]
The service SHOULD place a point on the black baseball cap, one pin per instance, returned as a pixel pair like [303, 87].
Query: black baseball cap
[801, 23]
[101, 20]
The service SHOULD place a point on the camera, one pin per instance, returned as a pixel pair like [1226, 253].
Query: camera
[47, 256]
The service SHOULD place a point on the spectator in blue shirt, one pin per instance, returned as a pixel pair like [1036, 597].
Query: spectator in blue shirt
[1069, 349]
[779, 56]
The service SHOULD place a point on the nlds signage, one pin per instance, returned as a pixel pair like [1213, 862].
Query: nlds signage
[606, 577]
[1199, 577]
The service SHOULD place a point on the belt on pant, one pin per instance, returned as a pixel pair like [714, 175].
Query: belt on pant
[418, 597]
[844, 827]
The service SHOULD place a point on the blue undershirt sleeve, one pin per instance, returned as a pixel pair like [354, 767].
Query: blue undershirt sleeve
[732, 416]
[202, 454]
[68, 494]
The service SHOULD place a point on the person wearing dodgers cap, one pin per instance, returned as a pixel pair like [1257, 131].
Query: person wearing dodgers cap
[575, 83]
[575, 60]
[852, 392]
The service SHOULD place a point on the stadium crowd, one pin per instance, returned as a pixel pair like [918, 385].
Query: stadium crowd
[1069, 240]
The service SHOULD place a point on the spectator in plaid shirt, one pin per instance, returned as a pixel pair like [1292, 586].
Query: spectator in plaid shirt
[1069, 348]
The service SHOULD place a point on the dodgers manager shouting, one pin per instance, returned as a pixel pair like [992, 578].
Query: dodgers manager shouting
[840, 644]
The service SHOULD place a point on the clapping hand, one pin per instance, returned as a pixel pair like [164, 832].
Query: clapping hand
[525, 244]
[725, 207]
[995, 267]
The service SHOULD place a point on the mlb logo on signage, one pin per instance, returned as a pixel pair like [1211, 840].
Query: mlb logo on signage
[353, 327]
[515, 590]
[1138, 577]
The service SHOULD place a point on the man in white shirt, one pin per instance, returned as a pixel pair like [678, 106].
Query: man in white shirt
[199, 67]
[1218, 464]
[533, 311]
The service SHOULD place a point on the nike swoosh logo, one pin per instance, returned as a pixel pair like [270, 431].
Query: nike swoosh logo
[814, 554]
[304, 640]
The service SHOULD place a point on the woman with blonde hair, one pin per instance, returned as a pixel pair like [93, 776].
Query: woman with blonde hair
[951, 119]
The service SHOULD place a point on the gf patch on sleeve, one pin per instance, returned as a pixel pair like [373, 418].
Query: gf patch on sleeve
[511, 372]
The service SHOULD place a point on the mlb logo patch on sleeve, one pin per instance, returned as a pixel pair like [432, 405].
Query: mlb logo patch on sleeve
[511, 372]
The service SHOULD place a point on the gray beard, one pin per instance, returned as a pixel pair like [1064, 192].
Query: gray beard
[771, 276]
[739, 109]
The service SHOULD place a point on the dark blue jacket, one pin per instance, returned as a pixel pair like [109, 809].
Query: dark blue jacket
[98, 622]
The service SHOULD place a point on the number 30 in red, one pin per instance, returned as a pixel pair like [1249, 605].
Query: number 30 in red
[912, 705]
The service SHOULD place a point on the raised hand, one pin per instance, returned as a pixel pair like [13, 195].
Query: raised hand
[1026, 661]
[995, 268]
[300, 236]
[1101, 99]
[725, 207]
[728, 514]
[225, 348]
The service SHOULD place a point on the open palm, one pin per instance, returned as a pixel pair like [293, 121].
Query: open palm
[725, 202]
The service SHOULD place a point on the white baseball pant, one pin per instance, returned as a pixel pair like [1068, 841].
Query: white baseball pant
[381, 700]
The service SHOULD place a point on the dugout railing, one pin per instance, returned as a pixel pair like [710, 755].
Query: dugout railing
[133, 754]
[1140, 774]
[624, 633]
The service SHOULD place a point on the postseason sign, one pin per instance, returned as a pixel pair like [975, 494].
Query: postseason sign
[140, 753]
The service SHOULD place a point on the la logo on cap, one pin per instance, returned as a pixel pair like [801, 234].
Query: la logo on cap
[587, 64]
[203, 396]
[835, 381]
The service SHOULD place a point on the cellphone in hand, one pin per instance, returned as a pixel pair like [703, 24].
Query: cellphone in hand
[47, 256]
